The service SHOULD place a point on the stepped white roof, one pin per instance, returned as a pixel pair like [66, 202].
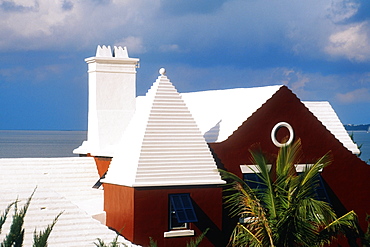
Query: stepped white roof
[327, 116]
[63, 184]
[219, 113]
[162, 145]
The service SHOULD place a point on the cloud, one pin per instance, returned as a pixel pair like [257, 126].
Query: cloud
[237, 28]
[296, 80]
[67, 5]
[19, 5]
[66, 24]
[355, 96]
[169, 48]
[133, 44]
[352, 43]
[188, 78]
[341, 11]
[148, 26]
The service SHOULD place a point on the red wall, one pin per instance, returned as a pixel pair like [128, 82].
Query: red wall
[119, 206]
[143, 213]
[102, 164]
[347, 176]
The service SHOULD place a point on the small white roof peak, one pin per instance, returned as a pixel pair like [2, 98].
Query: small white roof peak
[162, 71]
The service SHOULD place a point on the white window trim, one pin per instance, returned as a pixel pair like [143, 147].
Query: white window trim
[251, 168]
[178, 233]
[254, 168]
[302, 167]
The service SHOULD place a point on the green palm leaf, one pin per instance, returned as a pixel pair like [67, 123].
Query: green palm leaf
[285, 211]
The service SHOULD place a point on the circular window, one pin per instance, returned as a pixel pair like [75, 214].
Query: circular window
[276, 128]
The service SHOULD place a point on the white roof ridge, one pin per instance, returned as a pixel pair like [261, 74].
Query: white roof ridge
[234, 89]
[153, 121]
[325, 113]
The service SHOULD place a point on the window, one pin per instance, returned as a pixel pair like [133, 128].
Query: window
[254, 181]
[181, 211]
[251, 177]
[320, 190]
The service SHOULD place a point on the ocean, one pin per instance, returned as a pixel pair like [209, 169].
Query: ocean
[48, 144]
[39, 144]
[362, 138]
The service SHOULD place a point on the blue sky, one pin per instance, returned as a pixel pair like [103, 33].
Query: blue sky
[320, 49]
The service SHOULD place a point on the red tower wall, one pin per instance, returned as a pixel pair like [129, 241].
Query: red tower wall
[119, 206]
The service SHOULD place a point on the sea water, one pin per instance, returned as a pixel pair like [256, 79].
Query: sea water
[39, 144]
[362, 139]
[44, 144]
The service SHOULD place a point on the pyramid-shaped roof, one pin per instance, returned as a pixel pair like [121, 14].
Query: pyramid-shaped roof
[162, 145]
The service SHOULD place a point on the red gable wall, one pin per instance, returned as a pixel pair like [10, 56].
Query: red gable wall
[347, 176]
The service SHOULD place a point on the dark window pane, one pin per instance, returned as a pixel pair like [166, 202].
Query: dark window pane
[183, 208]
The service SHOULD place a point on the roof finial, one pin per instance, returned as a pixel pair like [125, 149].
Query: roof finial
[162, 71]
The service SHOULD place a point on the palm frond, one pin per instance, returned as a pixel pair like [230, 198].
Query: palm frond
[41, 239]
[345, 223]
[195, 242]
[285, 211]
[4, 216]
[114, 243]
[245, 204]
[269, 197]
[100, 243]
[240, 193]
[294, 231]
[309, 176]
[16, 234]
[287, 157]
[242, 236]
[152, 242]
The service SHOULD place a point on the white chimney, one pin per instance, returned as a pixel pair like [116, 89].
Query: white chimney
[112, 94]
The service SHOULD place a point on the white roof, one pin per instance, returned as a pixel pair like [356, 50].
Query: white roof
[327, 116]
[219, 113]
[63, 184]
[162, 145]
